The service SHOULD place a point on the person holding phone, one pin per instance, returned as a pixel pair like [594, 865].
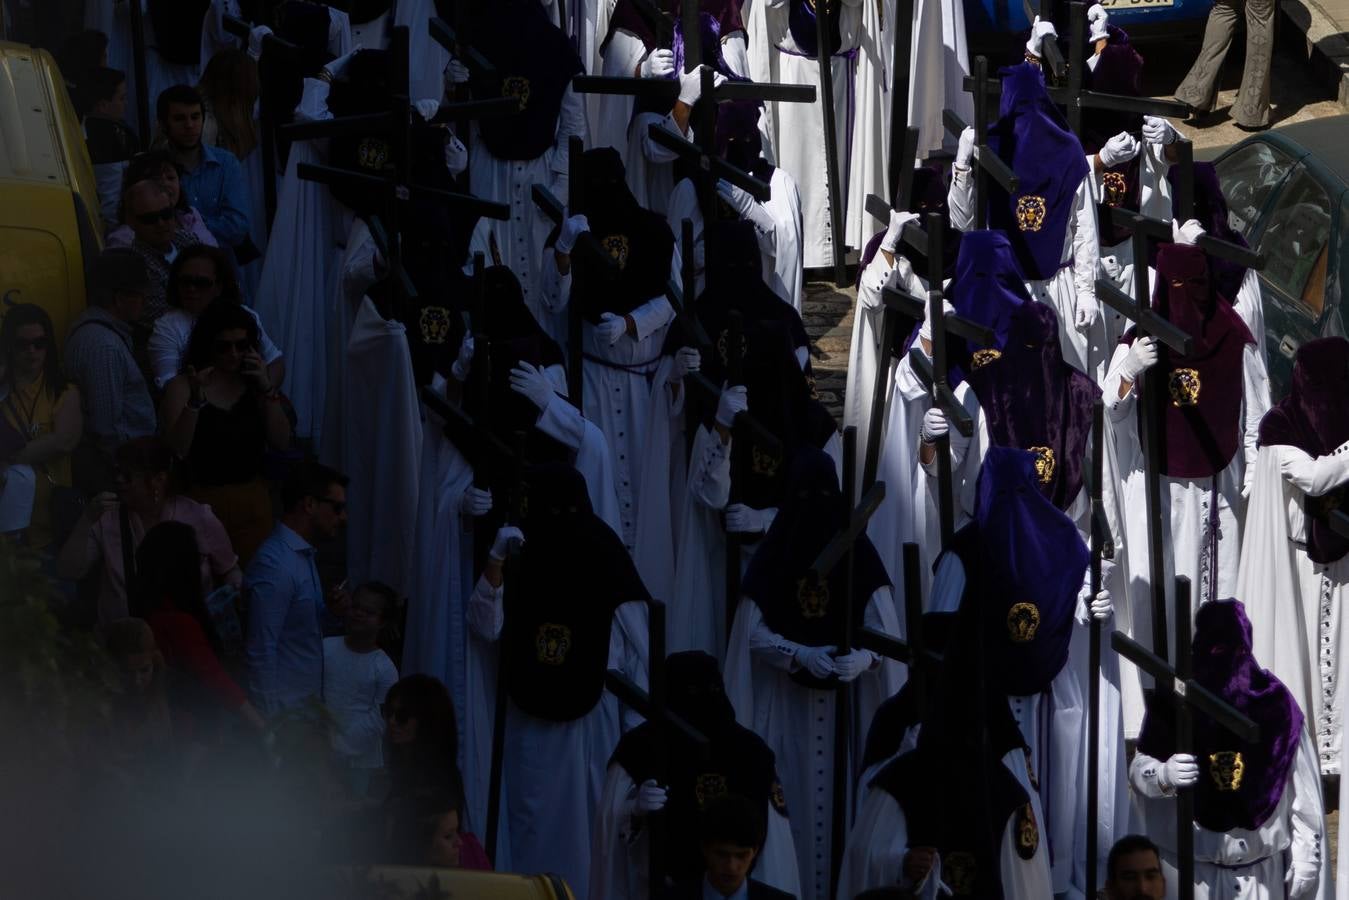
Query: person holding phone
[220, 415]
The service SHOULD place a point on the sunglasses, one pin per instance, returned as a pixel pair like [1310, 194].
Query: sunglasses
[200, 282]
[152, 218]
[338, 505]
[34, 344]
[243, 346]
[399, 714]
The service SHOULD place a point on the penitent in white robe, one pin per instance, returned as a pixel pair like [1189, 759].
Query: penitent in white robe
[1240, 864]
[1296, 606]
[1187, 530]
[797, 723]
[554, 772]
[880, 839]
[1117, 260]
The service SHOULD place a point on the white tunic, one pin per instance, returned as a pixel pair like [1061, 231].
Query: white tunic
[1296, 605]
[1117, 261]
[1240, 864]
[798, 725]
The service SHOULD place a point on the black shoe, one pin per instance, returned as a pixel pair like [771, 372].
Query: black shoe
[1252, 129]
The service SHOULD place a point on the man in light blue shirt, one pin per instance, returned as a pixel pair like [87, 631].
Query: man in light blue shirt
[213, 181]
[286, 606]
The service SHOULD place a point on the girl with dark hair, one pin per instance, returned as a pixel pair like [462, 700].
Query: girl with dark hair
[221, 415]
[199, 276]
[40, 421]
[422, 737]
[157, 165]
[167, 594]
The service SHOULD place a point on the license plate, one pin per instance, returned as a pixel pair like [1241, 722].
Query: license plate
[1135, 4]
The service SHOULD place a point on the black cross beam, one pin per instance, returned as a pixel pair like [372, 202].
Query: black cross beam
[831, 163]
[1188, 695]
[985, 162]
[138, 64]
[1102, 547]
[910, 651]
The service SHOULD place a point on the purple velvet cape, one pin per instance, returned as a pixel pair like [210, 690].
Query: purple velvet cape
[1033, 400]
[1314, 418]
[1223, 664]
[1032, 137]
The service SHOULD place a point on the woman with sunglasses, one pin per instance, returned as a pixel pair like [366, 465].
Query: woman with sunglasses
[221, 415]
[158, 166]
[200, 275]
[421, 740]
[40, 421]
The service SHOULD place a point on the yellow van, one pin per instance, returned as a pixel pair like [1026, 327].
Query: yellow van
[50, 226]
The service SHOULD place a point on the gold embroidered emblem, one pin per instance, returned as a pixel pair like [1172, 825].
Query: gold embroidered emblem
[1116, 186]
[1227, 768]
[764, 463]
[1030, 212]
[1027, 832]
[1044, 463]
[813, 597]
[722, 340]
[778, 797]
[372, 153]
[982, 358]
[1023, 620]
[518, 87]
[1184, 386]
[617, 247]
[960, 872]
[551, 643]
[434, 324]
[709, 786]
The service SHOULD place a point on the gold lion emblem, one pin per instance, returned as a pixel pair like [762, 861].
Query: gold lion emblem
[1044, 463]
[709, 786]
[982, 358]
[1023, 620]
[1027, 832]
[1116, 186]
[960, 872]
[813, 597]
[764, 463]
[1184, 385]
[1227, 768]
[1030, 212]
[518, 87]
[617, 247]
[434, 324]
[552, 643]
[372, 153]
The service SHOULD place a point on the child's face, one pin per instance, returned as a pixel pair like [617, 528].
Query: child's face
[445, 842]
[365, 615]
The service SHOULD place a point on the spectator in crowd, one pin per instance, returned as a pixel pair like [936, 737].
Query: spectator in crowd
[200, 276]
[99, 360]
[429, 831]
[286, 605]
[731, 832]
[221, 415]
[357, 675]
[213, 180]
[1250, 111]
[111, 141]
[80, 54]
[169, 596]
[157, 165]
[153, 218]
[422, 741]
[141, 728]
[1133, 870]
[143, 490]
[39, 414]
[229, 93]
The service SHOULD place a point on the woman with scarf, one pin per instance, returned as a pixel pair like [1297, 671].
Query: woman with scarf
[1294, 566]
[784, 665]
[655, 770]
[1259, 827]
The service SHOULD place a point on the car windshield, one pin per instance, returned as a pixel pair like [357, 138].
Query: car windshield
[1248, 176]
[1294, 242]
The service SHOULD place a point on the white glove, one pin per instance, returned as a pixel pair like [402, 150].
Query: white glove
[339, 65]
[893, 231]
[818, 661]
[529, 382]
[427, 109]
[691, 85]
[658, 64]
[965, 149]
[1119, 149]
[686, 360]
[475, 502]
[1088, 311]
[850, 666]
[1180, 771]
[925, 330]
[255, 41]
[455, 72]
[1302, 879]
[1038, 32]
[934, 425]
[742, 519]
[734, 401]
[1188, 233]
[456, 156]
[464, 363]
[572, 228]
[611, 328]
[1098, 19]
[651, 797]
[1159, 131]
[1141, 357]
[743, 202]
[508, 538]
[1102, 606]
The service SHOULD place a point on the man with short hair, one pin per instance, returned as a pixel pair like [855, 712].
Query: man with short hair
[98, 357]
[213, 181]
[731, 833]
[154, 221]
[286, 606]
[1133, 871]
[110, 139]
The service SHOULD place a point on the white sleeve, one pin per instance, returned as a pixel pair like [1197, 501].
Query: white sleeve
[960, 198]
[1145, 774]
[765, 644]
[873, 281]
[1118, 407]
[735, 53]
[313, 105]
[710, 470]
[948, 584]
[1307, 814]
[486, 614]
[1318, 476]
[654, 152]
[624, 52]
[1255, 396]
[571, 120]
[1086, 243]
[651, 316]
